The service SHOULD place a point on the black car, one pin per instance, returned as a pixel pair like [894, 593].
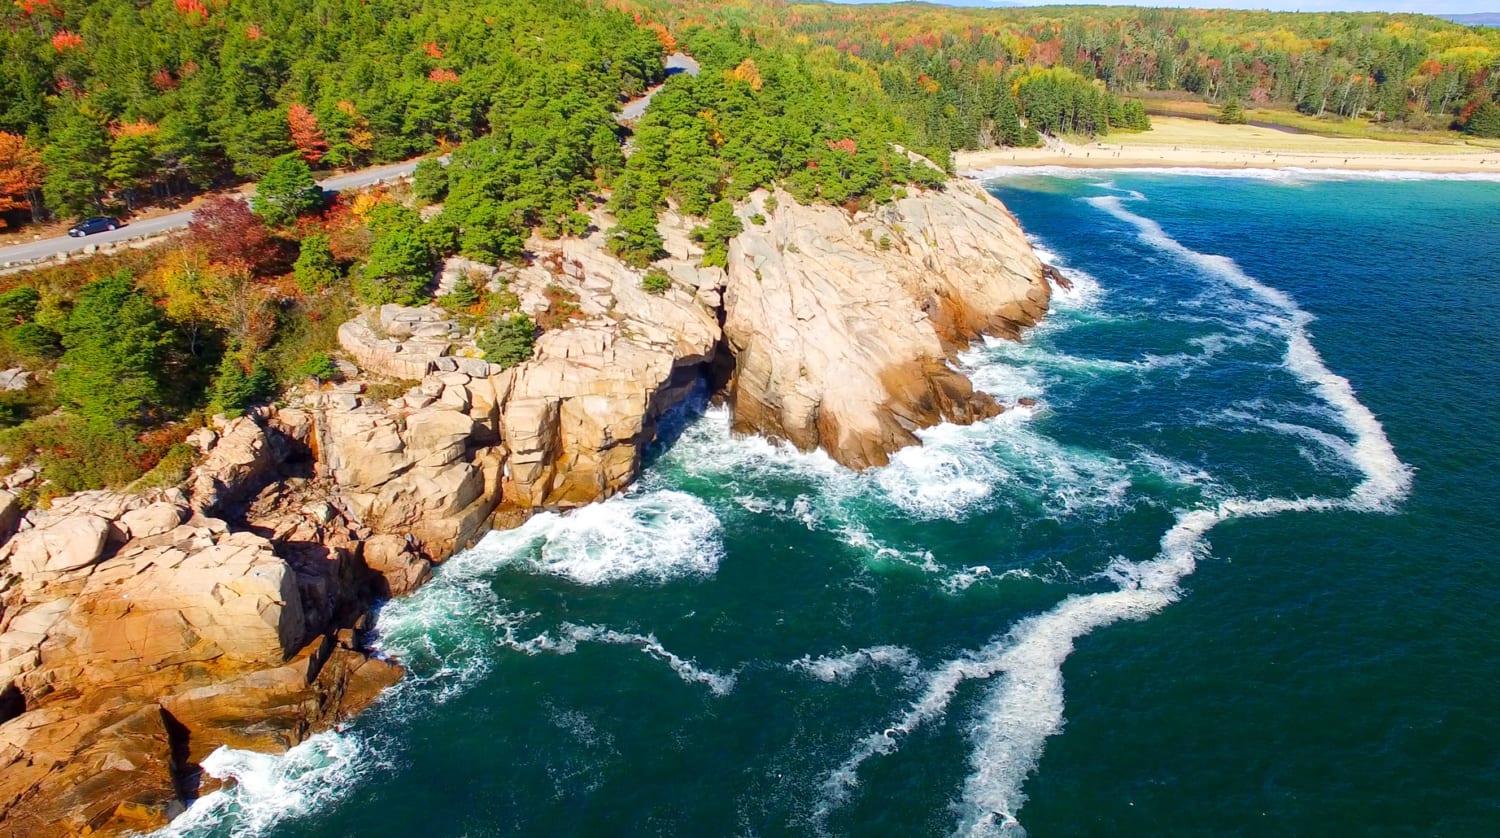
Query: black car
[90, 226]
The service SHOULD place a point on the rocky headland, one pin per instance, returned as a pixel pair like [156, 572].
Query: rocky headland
[142, 630]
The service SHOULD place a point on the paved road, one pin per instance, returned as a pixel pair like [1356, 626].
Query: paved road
[677, 62]
[65, 244]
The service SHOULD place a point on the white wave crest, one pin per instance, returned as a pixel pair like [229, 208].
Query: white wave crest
[1025, 705]
[268, 789]
[840, 668]
[653, 536]
[957, 468]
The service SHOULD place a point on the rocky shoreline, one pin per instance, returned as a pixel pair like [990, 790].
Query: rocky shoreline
[141, 631]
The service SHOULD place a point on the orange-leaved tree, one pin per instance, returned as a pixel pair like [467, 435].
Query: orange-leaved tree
[20, 173]
[306, 135]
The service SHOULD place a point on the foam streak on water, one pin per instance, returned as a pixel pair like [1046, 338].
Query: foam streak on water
[688, 671]
[839, 669]
[1025, 705]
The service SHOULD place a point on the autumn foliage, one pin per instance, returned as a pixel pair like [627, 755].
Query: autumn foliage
[306, 135]
[226, 228]
[65, 40]
[192, 9]
[749, 73]
[20, 172]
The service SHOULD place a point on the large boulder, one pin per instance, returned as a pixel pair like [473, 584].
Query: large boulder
[843, 327]
[59, 547]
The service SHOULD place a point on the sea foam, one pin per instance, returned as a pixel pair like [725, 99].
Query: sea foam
[648, 536]
[1024, 705]
[269, 789]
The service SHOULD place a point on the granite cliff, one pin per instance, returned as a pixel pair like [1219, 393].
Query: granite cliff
[140, 631]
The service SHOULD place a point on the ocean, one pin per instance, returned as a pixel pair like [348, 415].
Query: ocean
[1234, 572]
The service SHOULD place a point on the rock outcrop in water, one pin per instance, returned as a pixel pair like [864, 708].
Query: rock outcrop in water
[843, 328]
[140, 632]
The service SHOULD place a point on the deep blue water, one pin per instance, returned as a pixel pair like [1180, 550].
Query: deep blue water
[1235, 574]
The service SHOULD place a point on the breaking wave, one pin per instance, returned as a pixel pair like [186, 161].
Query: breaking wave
[1025, 704]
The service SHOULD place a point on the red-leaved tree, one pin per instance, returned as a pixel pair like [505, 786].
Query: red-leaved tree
[228, 231]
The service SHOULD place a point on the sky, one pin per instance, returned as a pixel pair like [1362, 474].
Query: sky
[1432, 7]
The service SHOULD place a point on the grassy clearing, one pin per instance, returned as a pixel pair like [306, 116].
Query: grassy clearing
[1321, 126]
[1198, 133]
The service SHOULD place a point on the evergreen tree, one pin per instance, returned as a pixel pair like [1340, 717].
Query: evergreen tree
[1233, 113]
[401, 260]
[286, 191]
[1485, 121]
[132, 162]
[116, 345]
[76, 159]
[635, 239]
[509, 341]
[234, 389]
[429, 181]
[315, 268]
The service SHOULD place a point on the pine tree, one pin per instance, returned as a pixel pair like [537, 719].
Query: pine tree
[509, 341]
[1233, 113]
[429, 181]
[315, 268]
[115, 343]
[76, 159]
[1485, 121]
[286, 191]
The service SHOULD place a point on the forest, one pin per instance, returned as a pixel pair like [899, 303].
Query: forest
[115, 105]
[940, 64]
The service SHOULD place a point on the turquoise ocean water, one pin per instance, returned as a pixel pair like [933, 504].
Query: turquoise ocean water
[1235, 573]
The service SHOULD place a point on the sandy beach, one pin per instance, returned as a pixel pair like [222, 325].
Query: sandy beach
[1176, 142]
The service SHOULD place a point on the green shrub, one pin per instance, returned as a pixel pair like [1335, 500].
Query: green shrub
[315, 268]
[401, 259]
[35, 340]
[635, 239]
[286, 192]
[429, 181]
[18, 305]
[234, 389]
[74, 455]
[758, 220]
[509, 341]
[307, 327]
[656, 281]
[463, 295]
[722, 226]
[319, 366]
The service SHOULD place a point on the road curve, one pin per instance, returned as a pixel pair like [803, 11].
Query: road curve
[47, 248]
[677, 62]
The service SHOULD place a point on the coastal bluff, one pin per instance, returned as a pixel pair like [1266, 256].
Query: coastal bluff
[140, 631]
[843, 327]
